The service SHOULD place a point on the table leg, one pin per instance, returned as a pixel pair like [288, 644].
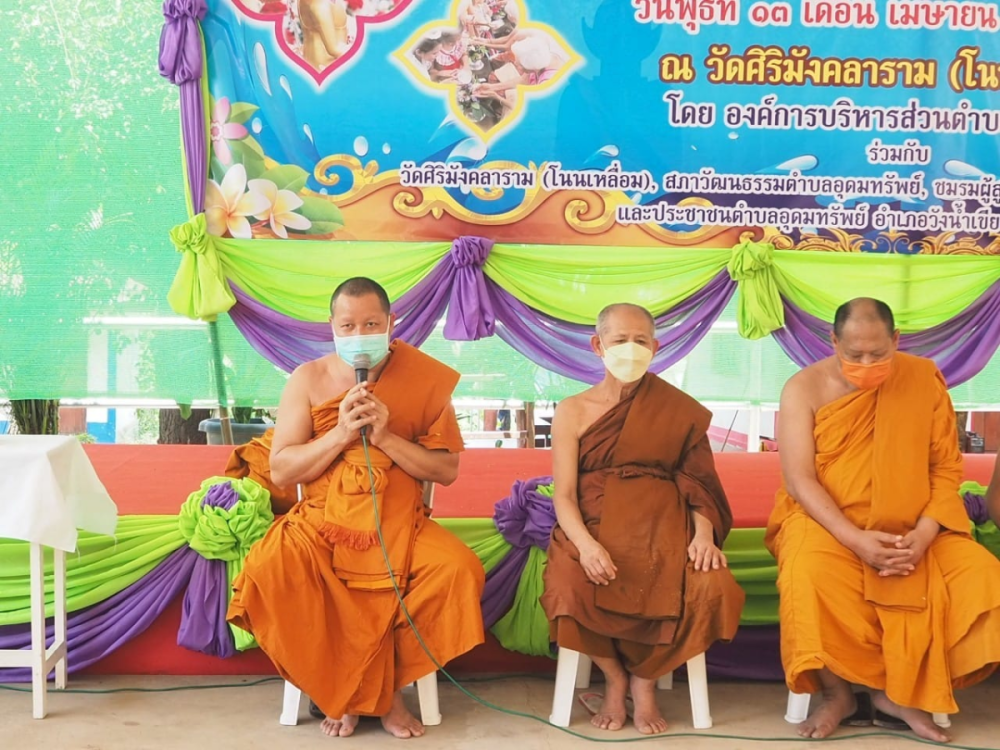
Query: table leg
[38, 668]
[60, 616]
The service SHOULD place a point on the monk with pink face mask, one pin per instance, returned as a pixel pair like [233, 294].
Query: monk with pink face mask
[880, 583]
[636, 578]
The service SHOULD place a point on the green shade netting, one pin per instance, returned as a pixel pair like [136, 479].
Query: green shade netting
[90, 150]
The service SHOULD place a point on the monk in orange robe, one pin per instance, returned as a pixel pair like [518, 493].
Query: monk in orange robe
[636, 579]
[881, 584]
[316, 591]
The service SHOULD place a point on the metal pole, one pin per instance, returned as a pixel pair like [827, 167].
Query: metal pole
[220, 383]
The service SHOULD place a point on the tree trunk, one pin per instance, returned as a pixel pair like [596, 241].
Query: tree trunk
[176, 430]
[35, 416]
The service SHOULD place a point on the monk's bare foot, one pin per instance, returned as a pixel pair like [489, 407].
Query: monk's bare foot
[921, 722]
[612, 713]
[838, 703]
[399, 722]
[342, 727]
[646, 716]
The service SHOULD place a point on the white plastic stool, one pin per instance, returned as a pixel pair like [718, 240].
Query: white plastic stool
[427, 695]
[798, 710]
[573, 671]
[427, 686]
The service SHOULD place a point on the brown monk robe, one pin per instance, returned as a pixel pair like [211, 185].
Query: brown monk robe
[643, 467]
[315, 591]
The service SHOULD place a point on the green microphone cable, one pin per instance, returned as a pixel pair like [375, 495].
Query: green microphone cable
[531, 717]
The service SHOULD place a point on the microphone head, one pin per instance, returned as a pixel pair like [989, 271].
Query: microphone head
[362, 361]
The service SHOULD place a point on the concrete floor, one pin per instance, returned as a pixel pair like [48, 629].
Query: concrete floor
[246, 718]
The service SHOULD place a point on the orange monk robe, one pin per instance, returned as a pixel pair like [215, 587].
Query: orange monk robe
[643, 467]
[887, 457]
[253, 460]
[326, 614]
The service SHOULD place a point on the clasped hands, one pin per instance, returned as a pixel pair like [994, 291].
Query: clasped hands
[894, 554]
[361, 408]
[597, 563]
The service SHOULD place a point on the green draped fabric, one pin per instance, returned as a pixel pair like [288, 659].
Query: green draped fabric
[922, 290]
[227, 534]
[573, 283]
[759, 310]
[101, 567]
[986, 533]
[199, 289]
[105, 566]
[525, 627]
[297, 280]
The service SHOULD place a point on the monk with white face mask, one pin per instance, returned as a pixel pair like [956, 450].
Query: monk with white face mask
[636, 578]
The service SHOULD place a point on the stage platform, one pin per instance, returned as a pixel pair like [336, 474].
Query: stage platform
[157, 480]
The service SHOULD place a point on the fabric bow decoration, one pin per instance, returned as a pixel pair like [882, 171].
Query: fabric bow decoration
[470, 314]
[199, 289]
[180, 57]
[759, 308]
[525, 520]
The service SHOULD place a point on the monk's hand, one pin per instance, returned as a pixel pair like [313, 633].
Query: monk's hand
[596, 563]
[355, 412]
[878, 549]
[379, 414]
[918, 540]
[705, 555]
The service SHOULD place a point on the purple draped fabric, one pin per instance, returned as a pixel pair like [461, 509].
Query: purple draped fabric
[221, 495]
[961, 346]
[753, 654]
[96, 631]
[181, 62]
[525, 520]
[975, 506]
[526, 517]
[474, 306]
[203, 613]
[565, 347]
[501, 585]
[470, 310]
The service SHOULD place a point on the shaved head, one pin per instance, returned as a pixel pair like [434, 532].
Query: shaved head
[626, 308]
[863, 309]
[360, 286]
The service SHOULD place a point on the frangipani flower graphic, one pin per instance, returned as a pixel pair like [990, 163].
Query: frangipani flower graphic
[222, 131]
[228, 205]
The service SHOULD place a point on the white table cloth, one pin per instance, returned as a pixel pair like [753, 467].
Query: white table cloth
[48, 490]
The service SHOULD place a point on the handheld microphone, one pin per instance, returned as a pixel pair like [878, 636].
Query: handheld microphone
[362, 362]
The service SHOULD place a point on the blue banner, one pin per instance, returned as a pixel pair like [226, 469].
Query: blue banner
[821, 124]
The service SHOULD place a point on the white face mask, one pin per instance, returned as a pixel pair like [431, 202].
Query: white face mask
[375, 346]
[628, 362]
